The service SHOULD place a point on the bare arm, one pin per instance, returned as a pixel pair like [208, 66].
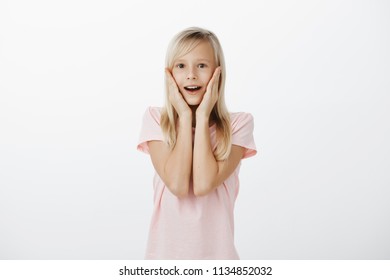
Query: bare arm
[208, 173]
[174, 166]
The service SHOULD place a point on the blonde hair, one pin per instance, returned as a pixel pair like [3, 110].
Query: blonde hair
[180, 45]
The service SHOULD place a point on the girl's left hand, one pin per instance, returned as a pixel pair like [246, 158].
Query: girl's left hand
[211, 95]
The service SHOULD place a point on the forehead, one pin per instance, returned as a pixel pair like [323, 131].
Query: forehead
[201, 50]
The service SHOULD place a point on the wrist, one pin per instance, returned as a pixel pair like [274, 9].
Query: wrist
[202, 118]
[202, 114]
[185, 117]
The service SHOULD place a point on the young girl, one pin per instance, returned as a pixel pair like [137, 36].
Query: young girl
[196, 147]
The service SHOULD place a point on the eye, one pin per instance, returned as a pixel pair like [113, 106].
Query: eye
[180, 65]
[202, 65]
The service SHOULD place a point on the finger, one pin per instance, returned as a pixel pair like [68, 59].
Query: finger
[168, 72]
[171, 80]
[216, 75]
[216, 81]
[217, 72]
[168, 75]
[211, 82]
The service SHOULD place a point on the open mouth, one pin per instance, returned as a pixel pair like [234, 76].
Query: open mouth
[192, 88]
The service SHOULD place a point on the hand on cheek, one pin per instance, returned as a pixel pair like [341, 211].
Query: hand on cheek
[211, 95]
[175, 96]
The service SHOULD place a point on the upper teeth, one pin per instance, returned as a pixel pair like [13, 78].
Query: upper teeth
[192, 87]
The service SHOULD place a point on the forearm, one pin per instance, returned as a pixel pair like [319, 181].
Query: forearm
[179, 163]
[205, 166]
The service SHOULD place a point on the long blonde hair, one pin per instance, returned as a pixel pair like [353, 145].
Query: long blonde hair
[180, 45]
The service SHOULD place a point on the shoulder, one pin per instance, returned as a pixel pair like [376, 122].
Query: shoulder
[152, 114]
[241, 119]
[242, 132]
[150, 129]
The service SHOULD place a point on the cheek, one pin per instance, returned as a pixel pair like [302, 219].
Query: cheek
[177, 76]
[209, 76]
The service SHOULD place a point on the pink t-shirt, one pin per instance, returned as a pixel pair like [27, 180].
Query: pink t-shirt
[195, 227]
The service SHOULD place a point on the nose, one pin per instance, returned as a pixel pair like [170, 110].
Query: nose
[191, 75]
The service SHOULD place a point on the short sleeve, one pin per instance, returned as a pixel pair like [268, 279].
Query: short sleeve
[150, 129]
[242, 133]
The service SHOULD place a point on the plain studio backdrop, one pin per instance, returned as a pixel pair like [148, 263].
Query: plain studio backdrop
[77, 76]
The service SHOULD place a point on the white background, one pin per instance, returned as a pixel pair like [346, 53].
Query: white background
[77, 76]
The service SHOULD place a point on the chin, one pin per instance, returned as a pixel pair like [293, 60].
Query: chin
[193, 101]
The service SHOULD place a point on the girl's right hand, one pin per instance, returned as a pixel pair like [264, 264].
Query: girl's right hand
[175, 96]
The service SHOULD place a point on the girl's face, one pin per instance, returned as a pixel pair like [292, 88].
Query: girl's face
[193, 71]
